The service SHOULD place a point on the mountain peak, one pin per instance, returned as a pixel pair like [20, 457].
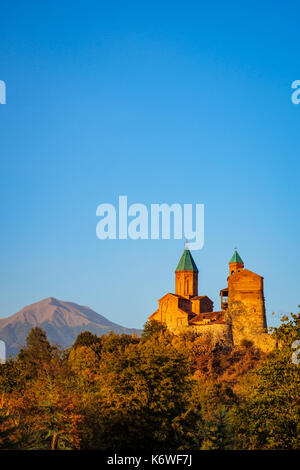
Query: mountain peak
[51, 300]
[61, 320]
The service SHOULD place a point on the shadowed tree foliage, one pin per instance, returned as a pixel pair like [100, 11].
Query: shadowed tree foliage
[217, 433]
[87, 339]
[11, 377]
[268, 416]
[8, 428]
[143, 391]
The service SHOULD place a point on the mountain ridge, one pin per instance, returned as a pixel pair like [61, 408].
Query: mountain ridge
[62, 321]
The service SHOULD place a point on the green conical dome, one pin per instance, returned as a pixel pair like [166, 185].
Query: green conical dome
[186, 262]
[236, 258]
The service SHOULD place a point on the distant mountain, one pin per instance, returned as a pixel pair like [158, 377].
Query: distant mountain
[62, 321]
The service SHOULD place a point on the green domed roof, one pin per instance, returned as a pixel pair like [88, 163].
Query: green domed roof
[187, 262]
[236, 258]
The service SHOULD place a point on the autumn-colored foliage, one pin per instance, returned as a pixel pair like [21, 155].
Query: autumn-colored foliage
[160, 391]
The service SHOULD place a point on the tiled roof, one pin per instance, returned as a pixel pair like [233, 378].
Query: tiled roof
[187, 262]
[236, 258]
[209, 317]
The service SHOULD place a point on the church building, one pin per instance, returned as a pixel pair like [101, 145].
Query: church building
[242, 314]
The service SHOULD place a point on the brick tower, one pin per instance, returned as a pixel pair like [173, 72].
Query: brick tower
[246, 301]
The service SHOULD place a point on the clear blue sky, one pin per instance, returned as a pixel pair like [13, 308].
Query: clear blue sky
[185, 102]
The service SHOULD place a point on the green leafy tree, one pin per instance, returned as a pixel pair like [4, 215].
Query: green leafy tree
[37, 351]
[153, 328]
[114, 342]
[269, 415]
[86, 338]
[218, 433]
[143, 390]
[89, 340]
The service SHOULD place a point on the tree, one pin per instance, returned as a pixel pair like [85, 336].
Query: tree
[47, 415]
[218, 433]
[142, 391]
[84, 361]
[7, 430]
[10, 376]
[153, 328]
[37, 351]
[86, 338]
[114, 343]
[269, 415]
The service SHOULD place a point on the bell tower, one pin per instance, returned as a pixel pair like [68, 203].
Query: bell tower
[245, 301]
[236, 264]
[186, 276]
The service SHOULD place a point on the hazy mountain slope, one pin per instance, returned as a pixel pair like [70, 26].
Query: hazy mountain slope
[62, 321]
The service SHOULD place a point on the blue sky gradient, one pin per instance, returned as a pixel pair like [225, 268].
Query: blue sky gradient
[186, 102]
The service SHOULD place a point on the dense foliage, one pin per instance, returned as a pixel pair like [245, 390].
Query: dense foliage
[159, 391]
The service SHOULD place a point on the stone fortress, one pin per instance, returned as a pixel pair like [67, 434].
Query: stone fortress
[242, 315]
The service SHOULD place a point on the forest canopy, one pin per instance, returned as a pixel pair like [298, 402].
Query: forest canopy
[159, 391]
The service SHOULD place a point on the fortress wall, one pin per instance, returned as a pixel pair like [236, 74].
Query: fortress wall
[220, 332]
[246, 321]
